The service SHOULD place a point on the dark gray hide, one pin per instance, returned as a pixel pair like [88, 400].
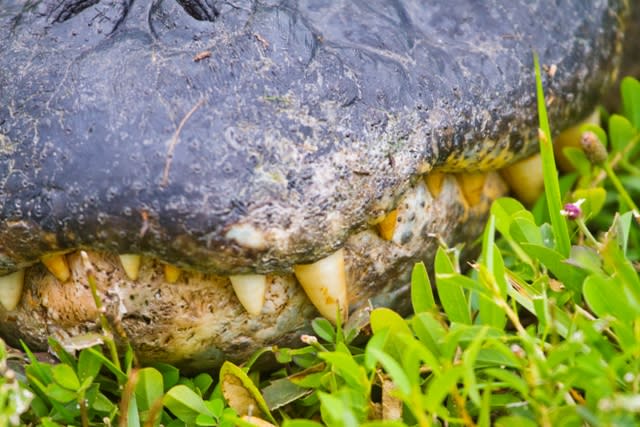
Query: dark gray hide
[301, 122]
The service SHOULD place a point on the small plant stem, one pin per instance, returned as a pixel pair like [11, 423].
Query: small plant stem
[583, 227]
[84, 415]
[618, 185]
[104, 323]
[466, 418]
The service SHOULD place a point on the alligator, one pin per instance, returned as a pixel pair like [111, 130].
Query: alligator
[230, 170]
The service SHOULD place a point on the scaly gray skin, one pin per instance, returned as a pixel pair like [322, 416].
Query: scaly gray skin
[302, 124]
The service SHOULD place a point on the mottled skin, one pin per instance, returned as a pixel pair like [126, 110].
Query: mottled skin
[301, 123]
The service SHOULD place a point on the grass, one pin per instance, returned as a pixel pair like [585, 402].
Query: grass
[543, 330]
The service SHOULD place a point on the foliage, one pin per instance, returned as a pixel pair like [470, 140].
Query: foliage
[543, 330]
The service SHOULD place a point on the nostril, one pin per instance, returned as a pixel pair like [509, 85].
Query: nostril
[202, 10]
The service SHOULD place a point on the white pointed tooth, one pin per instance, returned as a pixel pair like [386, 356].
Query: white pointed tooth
[57, 265]
[250, 290]
[325, 284]
[131, 264]
[11, 289]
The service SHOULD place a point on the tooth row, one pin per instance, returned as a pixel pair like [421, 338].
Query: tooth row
[323, 281]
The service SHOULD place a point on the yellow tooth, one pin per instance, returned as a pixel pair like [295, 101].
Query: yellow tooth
[525, 179]
[387, 226]
[250, 290]
[131, 265]
[325, 284]
[472, 185]
[171, 273]
[11, 289]
[434, 183]
[57, 265]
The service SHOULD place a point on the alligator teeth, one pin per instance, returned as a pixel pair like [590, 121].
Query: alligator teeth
[131, 265]
[250, 290]
[387, 226]
[171, 273]
[325, 284]
[434, 181]
[57, 265]
[11, 289]
[525, 179]
[471, 185]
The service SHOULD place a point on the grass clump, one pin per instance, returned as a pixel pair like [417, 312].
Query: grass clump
[544, 329]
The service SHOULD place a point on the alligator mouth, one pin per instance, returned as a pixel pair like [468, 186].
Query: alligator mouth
[196, 319]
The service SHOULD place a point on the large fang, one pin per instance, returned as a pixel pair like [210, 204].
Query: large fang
[472, 185]
[171, 273]
[250, 290]
[57, 265]
[325, 284]
[525, 178]
[11, 289]
[131, 265]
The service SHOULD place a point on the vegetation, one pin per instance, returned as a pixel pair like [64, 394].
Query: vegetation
[544, 329]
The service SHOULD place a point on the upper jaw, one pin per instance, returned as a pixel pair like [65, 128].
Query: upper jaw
[253, 164]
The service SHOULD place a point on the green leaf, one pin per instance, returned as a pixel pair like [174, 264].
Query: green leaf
[185, 404]
[283, 391]
[421, 292]
[524, 230]
[347, 368]
[452, 297]
[392, 368]
[571, 276]
[170, 374]
[440, 386]
[65, 376]
[60, 394]
[606, 296]
[630, 94]
[203, 381]
[620, 131]
[578, 160]
[88, 365]
[149, 388]
[121, 376]
[429, 331]
[324, 329]
[383, 318]
[551, 185]
[61, 353]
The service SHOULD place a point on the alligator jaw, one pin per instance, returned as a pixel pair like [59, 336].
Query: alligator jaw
[196, 319]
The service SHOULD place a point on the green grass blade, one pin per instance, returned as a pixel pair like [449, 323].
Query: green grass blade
[551, 185]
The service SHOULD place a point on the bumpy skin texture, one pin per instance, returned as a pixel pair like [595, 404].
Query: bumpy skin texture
[308, 118]
[300, 124]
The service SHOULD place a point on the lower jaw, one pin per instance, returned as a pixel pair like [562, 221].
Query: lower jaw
[197, 321]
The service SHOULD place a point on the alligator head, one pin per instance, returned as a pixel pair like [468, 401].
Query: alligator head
[234, 168]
